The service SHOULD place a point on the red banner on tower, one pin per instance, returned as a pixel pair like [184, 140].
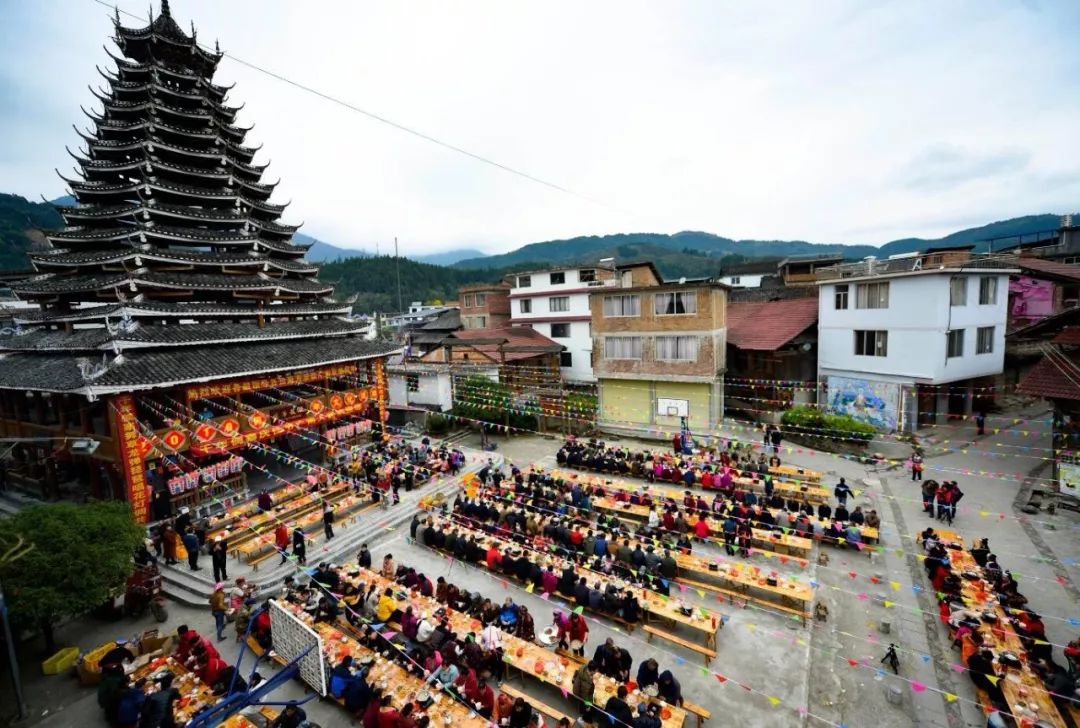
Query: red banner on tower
[131, 458]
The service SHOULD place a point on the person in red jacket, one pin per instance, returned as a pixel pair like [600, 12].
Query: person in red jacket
[483, 699]
[210, 671]
[493, 558]
[701, 529]
[281, 541]
[371, 712]
[388, 714]
[578, 631]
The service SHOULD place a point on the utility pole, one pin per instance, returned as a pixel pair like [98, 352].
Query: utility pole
[397, 267]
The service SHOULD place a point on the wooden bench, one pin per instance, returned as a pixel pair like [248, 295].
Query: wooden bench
[707, 653]
[542, 707]
[579, 659]
[700, 713]
[255, 647]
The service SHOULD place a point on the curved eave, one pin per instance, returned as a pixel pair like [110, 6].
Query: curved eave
[267, 286]
[284, 336]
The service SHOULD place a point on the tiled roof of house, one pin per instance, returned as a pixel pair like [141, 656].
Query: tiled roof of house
[769, 325]
[1056, 376]
[1070, 335]
[514, 336]
[1049, 267]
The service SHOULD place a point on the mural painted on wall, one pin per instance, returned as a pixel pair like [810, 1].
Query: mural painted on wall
[875, 403]
[1030, 300]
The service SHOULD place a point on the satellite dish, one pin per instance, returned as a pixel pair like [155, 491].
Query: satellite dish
[682, 280]
[807, 346]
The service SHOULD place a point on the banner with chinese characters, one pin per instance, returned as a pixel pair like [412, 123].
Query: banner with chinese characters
[132, 445]
[270, 381]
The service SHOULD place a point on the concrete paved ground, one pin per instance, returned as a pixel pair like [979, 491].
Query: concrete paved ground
[825, 673]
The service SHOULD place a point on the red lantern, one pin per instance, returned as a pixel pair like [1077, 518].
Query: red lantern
[229, 426]
[257, 420]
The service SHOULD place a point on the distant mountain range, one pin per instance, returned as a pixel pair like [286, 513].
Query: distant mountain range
[437, 275]
[707, 245]
[321, 251]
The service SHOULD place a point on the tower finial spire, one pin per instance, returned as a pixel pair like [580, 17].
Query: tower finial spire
[165, 7]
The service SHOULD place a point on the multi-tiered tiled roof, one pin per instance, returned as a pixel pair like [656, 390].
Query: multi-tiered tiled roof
[172, 244]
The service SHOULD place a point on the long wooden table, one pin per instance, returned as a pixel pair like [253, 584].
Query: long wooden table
[803, 492]
[869, 533]
[344, 506]
[394, 679]
[702, 620]
[246, 529]
[792, 472]
[1023, 689]
[522, 655]
[194, 693]
[789, 541]
[222, 524]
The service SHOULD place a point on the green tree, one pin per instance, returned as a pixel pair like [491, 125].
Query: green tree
[81, 555]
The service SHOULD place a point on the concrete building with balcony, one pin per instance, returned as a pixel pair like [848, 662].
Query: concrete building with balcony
[555, 303]
[659, 352]
[912, 339]
[484, 305]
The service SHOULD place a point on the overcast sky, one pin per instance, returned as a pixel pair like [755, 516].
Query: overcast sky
[828, 121]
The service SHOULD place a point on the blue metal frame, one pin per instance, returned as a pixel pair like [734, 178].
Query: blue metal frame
[233, 703]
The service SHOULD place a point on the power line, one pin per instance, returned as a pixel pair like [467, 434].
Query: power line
[395, 124]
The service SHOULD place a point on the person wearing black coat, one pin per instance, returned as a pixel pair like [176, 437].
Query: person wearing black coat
[618, 712]
[299, 546]
[567, 581]
[581, 593]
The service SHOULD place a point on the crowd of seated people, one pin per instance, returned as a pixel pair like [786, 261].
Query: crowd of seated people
[531, 565]
[706, 470]
[974, 627]
[410, 465]
[730, 515]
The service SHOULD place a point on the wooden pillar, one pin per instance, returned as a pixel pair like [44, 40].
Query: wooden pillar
[39, 407]
[84, 415]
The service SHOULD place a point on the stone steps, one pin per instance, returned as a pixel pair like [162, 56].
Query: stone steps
[194, 588]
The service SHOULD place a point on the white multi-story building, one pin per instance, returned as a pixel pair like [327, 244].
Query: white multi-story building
[912, 339]
[556, 303]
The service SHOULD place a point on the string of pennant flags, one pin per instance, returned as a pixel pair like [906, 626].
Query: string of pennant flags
[810, 384]
[724, 679]
[773, 700]
[318, 440]
[309, 467]
[873, 579]
[775, 404]
[720, 438]
[479, 397]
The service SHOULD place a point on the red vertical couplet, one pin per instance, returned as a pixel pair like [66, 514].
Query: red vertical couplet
[130, 458]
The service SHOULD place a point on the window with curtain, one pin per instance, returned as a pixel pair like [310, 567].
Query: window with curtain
[984, 340]
[677, 348]
[955, 344]
[559, 304]
[668, 304]
[987, 290]
[872, 295]
[958, 291]
[622, 347]
[627, 305]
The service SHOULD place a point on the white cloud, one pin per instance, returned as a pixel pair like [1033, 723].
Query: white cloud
[831, 121]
